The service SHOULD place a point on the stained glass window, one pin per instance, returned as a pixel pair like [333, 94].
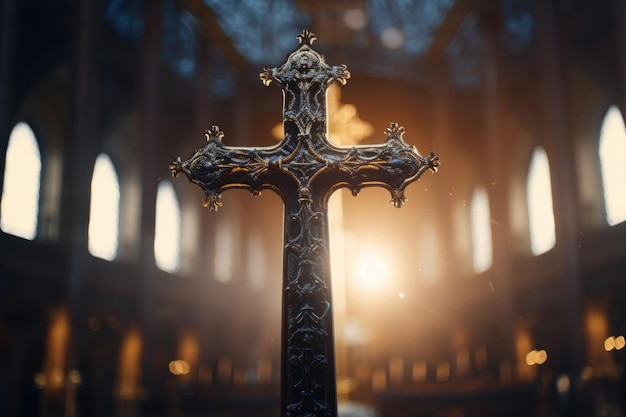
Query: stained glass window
[19, 208]
[540, 210]
[167, 228]
[104, 209]
[613, 163]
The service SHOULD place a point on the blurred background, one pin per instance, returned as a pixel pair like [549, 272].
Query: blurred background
[498, 290]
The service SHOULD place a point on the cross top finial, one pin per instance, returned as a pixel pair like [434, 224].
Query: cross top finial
[306, 37]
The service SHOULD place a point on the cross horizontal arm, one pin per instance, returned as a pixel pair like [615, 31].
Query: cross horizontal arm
[393, 165]
[216, 168]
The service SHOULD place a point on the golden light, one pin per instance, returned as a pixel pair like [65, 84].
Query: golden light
[179, 367]
[345, 127]
[620, 342]
[609, 343]
[536, 357]
[373, 271]
[542, 357]
[531, 358]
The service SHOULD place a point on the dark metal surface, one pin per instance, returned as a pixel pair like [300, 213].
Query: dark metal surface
[304, 169]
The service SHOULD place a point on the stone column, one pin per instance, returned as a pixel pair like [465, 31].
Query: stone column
[147, 139]
[620, 28]
[77, 173]
[497, 178]
[558, 141]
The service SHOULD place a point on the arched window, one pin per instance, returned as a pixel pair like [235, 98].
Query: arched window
[20, 194]
[167, 228]
[613, 162]
[480, 217]
[104, 209]
[540, 211]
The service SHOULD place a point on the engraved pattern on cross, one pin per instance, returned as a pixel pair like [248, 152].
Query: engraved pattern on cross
[304, 168]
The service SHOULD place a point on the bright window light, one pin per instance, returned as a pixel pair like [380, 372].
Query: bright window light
[613, 163]
[540, 211]
[167, 229]
[104, 209]
[20, 196]
[482, 250]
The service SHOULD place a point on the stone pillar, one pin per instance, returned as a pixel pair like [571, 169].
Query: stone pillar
[620, 28]
[9, 23]
[77, 172]
[497, 178]
[560, 151]
[147, 139]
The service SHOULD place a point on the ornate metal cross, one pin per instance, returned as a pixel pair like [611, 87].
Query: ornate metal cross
[304, 169]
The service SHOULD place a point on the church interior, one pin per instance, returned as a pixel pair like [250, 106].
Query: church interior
[497, 290]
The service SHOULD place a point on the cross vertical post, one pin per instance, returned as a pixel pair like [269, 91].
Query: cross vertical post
[304, 169]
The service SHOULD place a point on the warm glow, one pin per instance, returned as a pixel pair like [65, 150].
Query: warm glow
[396, 369]
[443, 371]
[482, 251]
[614, 342]
[345, 127]
[104, 210]
[540, 211]
[596, 330]
[179, 367]
[58, 339]
[542, 357]
[188, 354]
[419, 371]
[536, 357]
[264, 371]
[379, 379]
[613, 163]
[167, 228]
[129, 366]
[20, 196]
[609, 343]
[373, 271]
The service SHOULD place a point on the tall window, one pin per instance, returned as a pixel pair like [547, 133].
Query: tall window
[480, 217]
[540, 211]
[104, 209]
[613, 163]
[20, 195]
[167, 228]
